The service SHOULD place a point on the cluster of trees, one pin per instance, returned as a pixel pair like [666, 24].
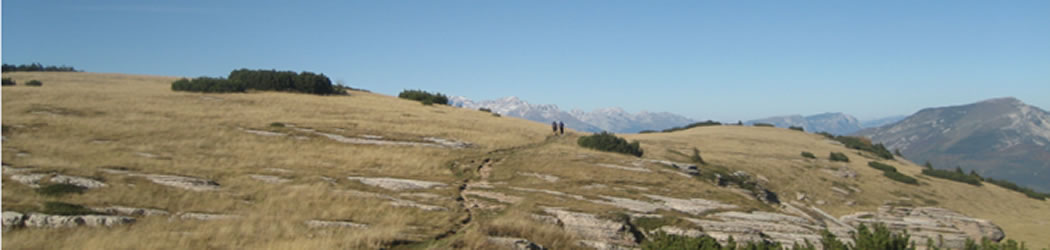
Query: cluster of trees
[242, 80]
[609, 142]
[838, 156]
[426, 98]
[861, 143]
[37, 67]
[878, 237]
[797, 128]
[8, 82]
[973, 178]
[691, 125]
[759, 124]
[891, 172]
[1013, 186]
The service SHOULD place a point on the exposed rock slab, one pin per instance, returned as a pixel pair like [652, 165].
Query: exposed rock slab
[396, 184]
[78, 181]
[59, 221]
[515, 243]
[614, 166]
[336, 224]
[547, 178]
[924, 223]
[269, 178]
[131, 211]
[591, 228]
[32, 180]
[510, 199]
[262, 132]
[183, 182]
[692, 206]
[204, 216]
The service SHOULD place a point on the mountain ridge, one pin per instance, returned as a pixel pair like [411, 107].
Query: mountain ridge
[612, 119]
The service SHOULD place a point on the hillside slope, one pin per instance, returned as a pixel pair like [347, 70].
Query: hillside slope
[1002, 138]
[278, 170]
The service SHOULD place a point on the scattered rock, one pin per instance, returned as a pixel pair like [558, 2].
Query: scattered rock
[515, 243]
[842, 172]
[394, 201]
[687, 168]
[278, 170]
[9, 170]
[840, 190]
[204, 216]
[447, 142]
[329, 223]
[692, 206]
[183, 182]
[396, 184]
[548, 178]
[13, 220]
[682, 232]
[60, 221]
[821, 202]
[630, 204]
[759, 227]
[269, 178]
[131, 211]
[800, 196]
[78, 181]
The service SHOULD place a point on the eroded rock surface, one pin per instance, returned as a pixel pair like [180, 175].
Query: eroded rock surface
[396, 184]
[60, 221]
[78, 181]
[183, 182]
[596, 232]
[204, 216]
[331, 223]
[515, 243]
[131, 211]
[269, 178]
[924, 223]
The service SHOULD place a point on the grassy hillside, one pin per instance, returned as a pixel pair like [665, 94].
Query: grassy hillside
[87, 125]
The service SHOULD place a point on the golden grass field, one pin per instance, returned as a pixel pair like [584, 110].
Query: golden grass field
[79, 123]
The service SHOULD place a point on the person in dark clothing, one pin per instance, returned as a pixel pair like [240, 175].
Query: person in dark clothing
[554, 126]
[561, 126]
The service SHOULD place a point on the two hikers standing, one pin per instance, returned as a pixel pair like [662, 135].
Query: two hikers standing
[556, 126]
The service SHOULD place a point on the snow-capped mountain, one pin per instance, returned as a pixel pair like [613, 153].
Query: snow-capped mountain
[834, 123]
[607, 119]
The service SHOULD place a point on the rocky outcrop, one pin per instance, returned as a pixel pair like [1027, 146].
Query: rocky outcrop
[204, 216]
[515, 243]
[83, 182]
[545, 177]
[594, 231]
[130, 211]
[760, 227]
[335, 224]
[37, 220]
[924, 223]
[692, 206]
[395, 184]
[32, 180]
[269, 178]
[614, 166]
[183, 182]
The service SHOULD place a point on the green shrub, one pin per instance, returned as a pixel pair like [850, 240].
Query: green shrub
[1013, 186]
[277, 124]
[487, 110]
[957, 175]
[424, 97]
[661, 240]
[797, 128]
[34, 83]
[62, 208]
[759, 124]
[60, 189]
[242, 80]
[838, 156]
[808, 155]
[8, 82]
[696, 157]
[863, 144]
[647, 131]
[609, 142]
[891, 172]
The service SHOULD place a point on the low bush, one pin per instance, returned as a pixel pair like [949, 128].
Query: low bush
[957, 175]
[759, 124]
[277, 124]
[36, 67]
[486, 110]
[891, 172]
[426, 98]
[808, 155]
[838, 156]
[609, 142]
[797, 128]
[863, 144]
[8, 82]
[62, 208]
[696, 157]
[647, 131]
[34, 83]
[60, 189]
[1013, 186]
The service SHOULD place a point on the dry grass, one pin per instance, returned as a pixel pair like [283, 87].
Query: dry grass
[78, 123]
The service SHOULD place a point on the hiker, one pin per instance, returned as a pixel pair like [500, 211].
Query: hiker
[561, 126]
[554, 126]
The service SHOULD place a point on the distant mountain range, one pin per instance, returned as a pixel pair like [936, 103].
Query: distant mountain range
[607, 119]
[1000, 138]
[834, 123]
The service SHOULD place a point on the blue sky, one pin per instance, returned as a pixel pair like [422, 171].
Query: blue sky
[722, 60]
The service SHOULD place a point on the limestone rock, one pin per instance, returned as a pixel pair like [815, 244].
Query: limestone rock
[396, 184]
[132, 211]
[515, 243]
[61, 221]
[924, 223]
[591, 228]
[32, 180]
[78, 181]
[204, 216]
[13, 220]
[269, 178]
[183, 182]
[329, 223]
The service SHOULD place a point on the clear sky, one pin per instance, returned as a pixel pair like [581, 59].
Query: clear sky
[722, 60]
